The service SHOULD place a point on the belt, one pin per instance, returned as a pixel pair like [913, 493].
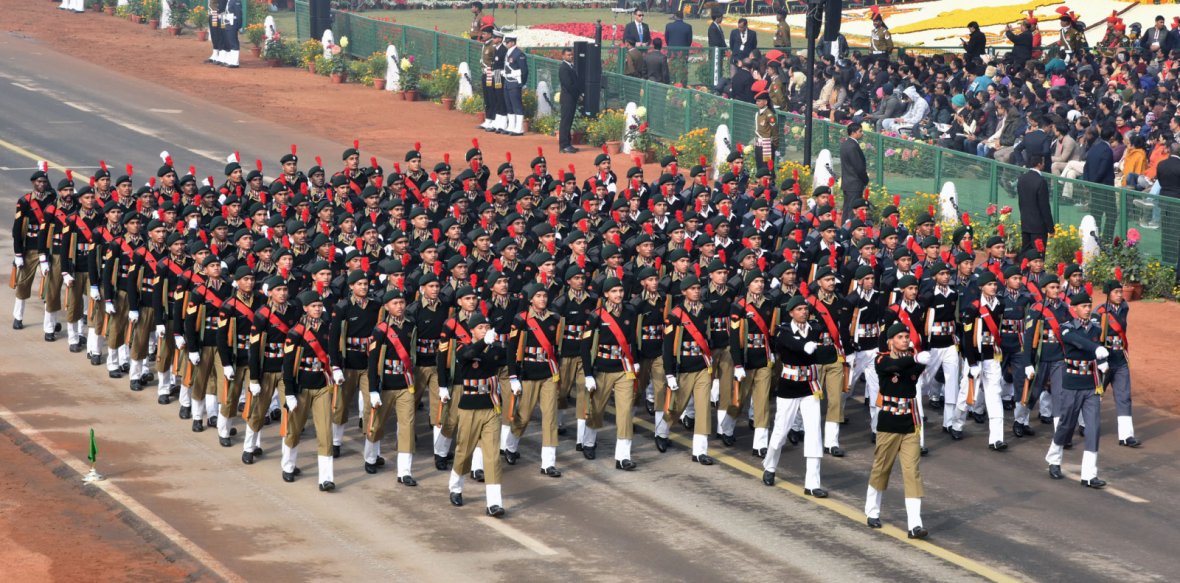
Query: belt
[273, 350]
[357, 343]
[574, 332]
[610, 352]
[478, 386]
[311, 364]
[868, 330]
[897, 405]
[796, 373]
[1049, 336]
[1114, 342]
[652, 333]
[427, 345]
[718, 324]
[755, 341]
[535, 354]
[690, 348]
[942, 328]
[1010, 326]
[394, 366]
[1078, 367]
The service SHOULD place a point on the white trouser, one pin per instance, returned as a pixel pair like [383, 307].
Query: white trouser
[947, 359]
[1089, 460]
[786, 410]
[866, 364]
[987, 391]
[325, 463]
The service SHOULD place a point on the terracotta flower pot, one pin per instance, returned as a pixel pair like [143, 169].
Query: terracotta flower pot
[525, 126]
[613, 147]
[402, 95]
[154, 24]
[379, 84]
[412, 95]
[577, 137]
[1133, 291]
[311, 68]
[110, 10]
[338, 77]
[649, 157]
[448, 103]
[135, 18]
[274, 62]
[256, 51]
[202, 35]
[174, 30]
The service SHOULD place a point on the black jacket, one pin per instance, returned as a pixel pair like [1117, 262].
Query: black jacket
[716, 36]
[631, 33]
[854, 175]
[1032, 190]
[678, 33]
[735, 43]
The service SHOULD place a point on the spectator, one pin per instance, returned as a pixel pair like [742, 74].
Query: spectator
[1022, 44]
[1134, 162]
[1157, 39]
[637, 32]
[916, 111]
[741, 87]
[635, 65]
[889, 108]
[742, 41]
[1065, 148]
[1100, 170]
[1169, 183]
[1035, 142]
[1032, 194]
[717, 46]
[678, 33]
[656, 62]
[975, 44]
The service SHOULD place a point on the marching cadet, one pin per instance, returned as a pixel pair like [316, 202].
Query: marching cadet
[272, 322]
[766, 133]
[941, 334]
[391, 387]
[897, 428]
[1085, 362]
[235, 322]
[1016, 300]
[651, 308]
[76, 258]
[909, 312]
[799, 393]
[118, 268]
[868, 309]
[1112, 321]
[456, 329]
[534, 374]
[309, 390]
[201, 325]
[57, 221]
[832, 314]
[169, 316]
[28, 241]
[429, 315]
[687, 364]
[351, 333]
[145, 301]
[183, 276]
[981, 319]
[718, 301]
[753, 317]
[478, 419]
[574, 308]
[608, 360]
[1043, 349]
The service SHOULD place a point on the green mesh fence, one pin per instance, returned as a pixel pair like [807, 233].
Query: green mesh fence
[905, 167]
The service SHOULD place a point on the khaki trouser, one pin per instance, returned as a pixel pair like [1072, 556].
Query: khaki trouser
[831, 379]
[230, 392]
[52, 289]
[426, 383]
[116, 330]
[757, 383]
[478, 427]
[317, 403]
[166, 352]
[141, 333]
[76, 296]
[623, 389]
[450, 412]
[25, 275]
[532, 393]
[893, 447]
[570, 374]
[652, 371]
[723, 368]
[697, 385]
[354, 379]
[256, 405]
[207, 374]
[401, 402]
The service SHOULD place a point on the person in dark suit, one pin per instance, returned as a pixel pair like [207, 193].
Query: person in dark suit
[656, 62]
[716, 34]
[741, 86]
[854, 172]
[637, 31]
[742, 41]
[1032, 194]
[1021, 45]
[1168, 175]
[1100, 170]
[678, 33]
[571, 91]
[1034, 142]
[975, 44]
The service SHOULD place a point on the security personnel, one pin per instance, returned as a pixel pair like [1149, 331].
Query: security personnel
[610, 365]
[782, 31]
[574, 308]
[216, 36]
[201, 324]
[272, 322]
[145, 301]
[688, 361]
[516, 76]
[429, 315]
[897, 436]
[766, 132]
[831, 317]
[478, 418]
[1043, 349]
[231, 24]
[487, 60]
[753, 320]
[308, 389]
[1112, 320]
[799, 392]
[534, 369]
[28, 241]
[391, 387]
[351, 332]
[1084, 361]
[234, 327]
[980, 338]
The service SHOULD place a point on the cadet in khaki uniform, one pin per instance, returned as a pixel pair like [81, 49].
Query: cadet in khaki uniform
[831, 315]
[574, 308]
[391, 387]
[687, 362]
[352, 332]
[169, 315]
[118, 274]
[610, 365]
[308, 389]
[478, 422]
[533, 377]
[272, 322]
[77, 254]
[234, 327]
[429, 316]
[753, 320]
[651, 307]
[897, 428]
[766, 133]
[28, 242]
[456, 334]
[143, 300]
[200, 337]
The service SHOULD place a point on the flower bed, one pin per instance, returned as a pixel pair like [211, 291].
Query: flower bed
[585, 30]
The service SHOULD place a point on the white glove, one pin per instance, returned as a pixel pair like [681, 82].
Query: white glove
[375, 399]
[671, 380]
[773, 358]
[194, 357]
[133, 315]
[489, 337]
[444, 394]
[229, 372]
[1029, 371]
[178, 340]
[110, 307]
[739, 373]
[229, 18]
[635, 368]
[192, 223]
[94, 292]
[590, 384]
[922, 357]
[810, 347]
[292, 402]
[1101, 353]
[850, 359]
[515, 384]
[68, 279]
[337, 376]
[974, 371]
[715, 392]
[19, 261]
[160, 331]
[1102, 366]
[43, 265]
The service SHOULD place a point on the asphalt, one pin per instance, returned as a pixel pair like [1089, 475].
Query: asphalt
[991, 515]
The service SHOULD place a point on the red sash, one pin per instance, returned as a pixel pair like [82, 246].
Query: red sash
[620, 338]
[35, 205]
[759, 322]
[314, 344]
[904, 317]
[1114, 325]
[695, 333]
[209, 295]
[84, 228]
[241, 307]
[985, 314]
[1034, 290]
[1050, 318]
[463, 336]
[833, 330]
[274, 319]
[402, 354]
[535, 328]
[148, 257]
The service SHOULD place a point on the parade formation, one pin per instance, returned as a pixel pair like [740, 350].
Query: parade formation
[472, 297]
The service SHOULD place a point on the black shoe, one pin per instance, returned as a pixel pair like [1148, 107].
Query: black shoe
[257, 452]
[688, 422]
[380, 462]
[569, 151]
[18, 325]
[553, 472]
[874, 522]
[816, 492]
[873, 438]
[198, 426]
[651, 408]
[728, 440]
[919, 532]
[768, 478]
[456, 498]
[163, 399]
[956, 434]
[288, 477]
[136, 385]
[477, 475]
[241, 407]
[1094, 483]
[577, 447]
[794, 436]
[440, 463]
[703, 459]
[935, 404]
[211, 422]
[360, 424]
[661, 444]
[327, 486]
[335, 451]
[1130, 442]
[1055, 472]
[1028, 431]
[115, 374]
[979, 417]
[248, 457]
[997, 446]
[625, 465]
[224, 441]
[125, 367]
[1009, 405]
[761, 453]
[1046, 420]
[266, 420]
[233, 431]
[1068, 445]
[834, 451]
[174, 390]
[407, 481]
[1081, 431]
[924, 451]
[510, 457]
[297, 471]
[496, 511]
[186, 412]
[51, 338]
[370, 468]
[96, 360]
[750, 422]
[562, 431]
[589, 451]
[276, 414]
[148, 377]
[151, 357]
[1017, 429]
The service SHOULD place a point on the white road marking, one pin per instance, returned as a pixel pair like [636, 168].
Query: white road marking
[208, 154]
[523, 539]
[27, 88]
[77, 106]
[170, 111]
[1071, 475]
[63, 122]
[128, 125]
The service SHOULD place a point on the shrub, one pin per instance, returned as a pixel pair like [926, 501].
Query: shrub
[694, 144]
[255, 33]
[608, 127]
[378, 65]
[474, 105]
[442, 82]
[546, 125]
[309, 50]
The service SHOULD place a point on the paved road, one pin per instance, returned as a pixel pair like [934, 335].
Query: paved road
[991, 515]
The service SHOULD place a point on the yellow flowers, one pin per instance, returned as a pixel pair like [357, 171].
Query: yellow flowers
[984, 15]
[344, 42]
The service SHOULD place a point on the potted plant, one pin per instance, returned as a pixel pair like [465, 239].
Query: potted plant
[378, 67]
[641, 141]
[473, 106]
[255, 33]
[198, 18]
[337, 64]
[579, 127]
[151, 12]
[608, 129]
[109, 6]
[410, 78]
[276, 51]
[178, 16]
[446, 81]
[134, 10]
[308, 51]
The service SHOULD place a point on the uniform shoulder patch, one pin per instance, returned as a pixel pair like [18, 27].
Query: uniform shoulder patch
[288, 347]
[669, 329]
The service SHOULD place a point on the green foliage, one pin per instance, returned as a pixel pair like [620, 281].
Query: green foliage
[378, 65]
[1158, 280]
[694, 144]
[323, 65]
[151, 9]
[442, 82]
[608, 127]
[474, 105]
[134, 8]
[256, 11]
[410, 73]
[546, 125]
[358, 72]
[309, 50]
[528, 98]
[279, 49]
[178, 13]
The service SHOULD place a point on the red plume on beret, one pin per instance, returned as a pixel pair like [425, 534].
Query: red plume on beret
[103, 164]
[418, 146]
[1089, 288]
[1000, 230]
[938, 231]
[1077, 257]
[319, 161]
[966, 220]
[1040, 243]
[1061, 270]
[129, 170]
